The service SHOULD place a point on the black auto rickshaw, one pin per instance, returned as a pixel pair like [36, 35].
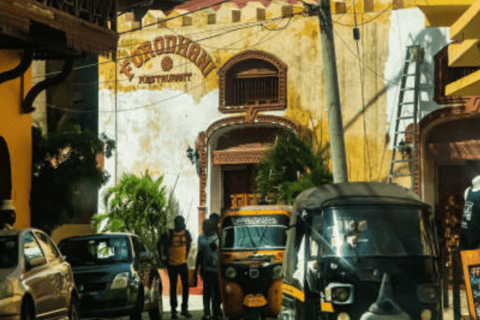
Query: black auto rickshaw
[251, 255]
[361, 251]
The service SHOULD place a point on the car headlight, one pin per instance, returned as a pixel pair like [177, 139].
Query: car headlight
[230, 272]
[277, 270]
[339, 293]
[120, 281]
[427, 293]
[6, 289]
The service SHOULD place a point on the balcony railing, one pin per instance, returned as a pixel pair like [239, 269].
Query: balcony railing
[87, 26]
[100, 12]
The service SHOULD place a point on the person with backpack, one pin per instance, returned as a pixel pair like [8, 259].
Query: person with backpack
[207, 262]
[175, 246]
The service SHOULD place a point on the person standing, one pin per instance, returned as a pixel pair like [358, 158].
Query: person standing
[176, 244]
[215, 217]
[7, 215]
[207, 262]
[470, 227]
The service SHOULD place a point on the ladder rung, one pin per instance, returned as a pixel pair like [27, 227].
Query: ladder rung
[401, 175]
[403, 118]
[409, 88]
[402, 146]
[401, 161]
[405, 103]
[409, 74]
[397, 132]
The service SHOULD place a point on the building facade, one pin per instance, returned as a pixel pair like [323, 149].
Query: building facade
[225, 80]
[40, 30]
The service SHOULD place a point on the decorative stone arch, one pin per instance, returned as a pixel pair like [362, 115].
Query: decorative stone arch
[275, 62]
[214, 131]
[424, 175]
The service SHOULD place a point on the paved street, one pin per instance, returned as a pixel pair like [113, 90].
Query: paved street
[195, 304]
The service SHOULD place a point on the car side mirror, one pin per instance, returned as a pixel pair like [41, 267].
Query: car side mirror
[145, 256]
[36, 262]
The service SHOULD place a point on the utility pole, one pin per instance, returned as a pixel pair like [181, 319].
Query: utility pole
[337, 142]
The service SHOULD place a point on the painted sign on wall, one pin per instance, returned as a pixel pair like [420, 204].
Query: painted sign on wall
[169, 44]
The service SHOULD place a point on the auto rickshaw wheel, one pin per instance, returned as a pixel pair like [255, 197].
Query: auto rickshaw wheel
[137, 312]
[253, 314]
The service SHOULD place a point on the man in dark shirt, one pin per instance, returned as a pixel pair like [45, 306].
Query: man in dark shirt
[470, 232]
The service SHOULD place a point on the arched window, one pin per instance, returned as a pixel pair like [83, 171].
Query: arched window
[5, 171]
[252, 78]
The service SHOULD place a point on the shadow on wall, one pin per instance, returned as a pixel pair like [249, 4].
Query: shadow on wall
[432, 40]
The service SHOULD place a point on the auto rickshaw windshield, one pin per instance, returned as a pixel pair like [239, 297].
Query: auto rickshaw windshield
[372, 231]
[253, 233]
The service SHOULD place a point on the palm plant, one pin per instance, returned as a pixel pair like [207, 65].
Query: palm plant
[291, 166]
[138, 205]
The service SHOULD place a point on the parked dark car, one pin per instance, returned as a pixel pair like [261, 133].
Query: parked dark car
[115, 275]
[35, 281]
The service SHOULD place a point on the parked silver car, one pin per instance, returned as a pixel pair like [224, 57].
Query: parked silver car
[35, 281]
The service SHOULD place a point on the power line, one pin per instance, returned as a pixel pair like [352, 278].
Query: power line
[141, 54]
[364, 64]
[226, 47]
[368, 21]
[176, 17]
[160, 101]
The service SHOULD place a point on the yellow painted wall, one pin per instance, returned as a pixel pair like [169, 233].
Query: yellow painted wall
[15, 128]
[297, 44]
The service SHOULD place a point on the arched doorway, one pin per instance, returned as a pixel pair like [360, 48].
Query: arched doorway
[229, 151]
[449, 159]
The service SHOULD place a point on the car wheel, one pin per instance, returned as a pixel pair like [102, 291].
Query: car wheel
[137, 312]
[73, 312]
[28, 311]
[156, 310]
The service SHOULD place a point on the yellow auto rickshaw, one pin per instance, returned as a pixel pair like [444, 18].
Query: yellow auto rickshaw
[252, 248]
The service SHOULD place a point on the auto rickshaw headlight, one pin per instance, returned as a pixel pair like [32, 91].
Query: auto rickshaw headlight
[339, 293]
[230, 272]
[427, 293]
[277, 270]
[426, 315]
[343, 316]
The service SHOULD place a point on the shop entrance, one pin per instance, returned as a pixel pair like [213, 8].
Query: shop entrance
[238, 183]
[452, 181]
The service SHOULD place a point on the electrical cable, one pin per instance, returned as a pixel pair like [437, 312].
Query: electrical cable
[368, 21]
[120, 59]
[188, 63]
[366, 151]
[364, 64]
[152, 104]
[396, 99]
[176, 17]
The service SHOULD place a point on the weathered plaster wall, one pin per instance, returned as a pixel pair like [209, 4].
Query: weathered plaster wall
[16, 129]
[157, 122]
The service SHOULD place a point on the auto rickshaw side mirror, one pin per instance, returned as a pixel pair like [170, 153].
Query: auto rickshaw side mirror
[313, 280]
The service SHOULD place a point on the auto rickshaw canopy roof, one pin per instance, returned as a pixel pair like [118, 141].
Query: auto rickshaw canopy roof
[350, 193]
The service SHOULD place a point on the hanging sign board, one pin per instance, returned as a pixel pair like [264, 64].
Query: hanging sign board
[471, 273]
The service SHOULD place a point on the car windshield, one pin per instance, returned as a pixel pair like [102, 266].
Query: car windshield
[372, 231]
[8, 252]
[254, 232]
[96, 251]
